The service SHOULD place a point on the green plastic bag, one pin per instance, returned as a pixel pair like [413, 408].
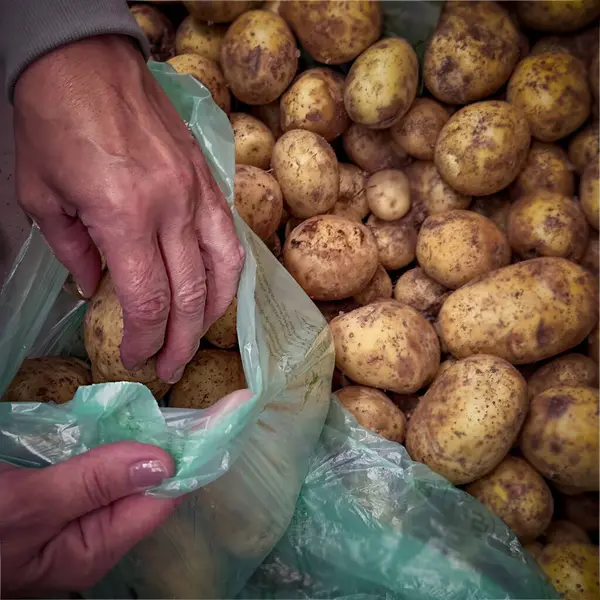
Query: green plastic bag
[244, 461]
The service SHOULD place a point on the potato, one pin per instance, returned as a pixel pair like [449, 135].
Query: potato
[552, 91]
[223, 332]
[445, 365]
[429, 193]
[560, 436]
[330, 257]
[352, 201]
[373, 410]
[417, 131]
[103, 332]
[196, 37]
[582, 510]
[209, 376]
[591, 257]
[534, 548]
[272, 5]
[459, 245]
[517, 494]
[593, 339]
[48, 379]
[291, 225]
[565, 532]
[333, 32]
[372, 150]
[545, 223]
[219, 11]
[524, 312]
[583, 45]
[558, 17]
[594, 76]
[382, 83]
[306, 168]
[157, 28]
[379, 288]
[396, 241]
[254, 141]
[258, 200]
[547, 167]
[495, 207]
[469, 418]
[208, 73]
[569, 369]
[270, 115]
[386, 345]
[417, 289]
[273, 243]
[388, 194]
[572, 569]
[259, 57]
[584, 147]
[482, 148]
[315, 102]
[471, 53]
[405, 402]
[331, 310]
[589, 192]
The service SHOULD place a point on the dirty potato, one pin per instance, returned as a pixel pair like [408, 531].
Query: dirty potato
[552, 91]
[524, 312]
[593, 343]
[372, 150]
[196, 37]
[583, 45]
[373, 410]
[469, 418]
[379, 288]
[544, 223]
[557, 17]
[157, 28]
[584, 147]
[259, 57]
[388, 194]
[382, 83]
[209, 376]
[258, 200]
[495, 207]
[593, 78]
[396, 241]
[565, 532]
[315, 102]
[270, 115]
[591, 257]
[307, 170]
[333, 32]
[560, 436]
[219, 11]
[48, 379]
[471, 53]
[589, 193]
[352, 201]
[569, 369]
[223, 332]
[420, 291]
[331, 257]
[483, 147]
[517, 494]
[548, 168]
[459, 245]
[386, 345]
[253, 141]
[208, 73]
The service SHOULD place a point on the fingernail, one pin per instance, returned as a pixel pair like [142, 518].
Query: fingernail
[147, 473]
[176, 376]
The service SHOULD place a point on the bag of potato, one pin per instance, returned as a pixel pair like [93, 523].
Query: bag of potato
[244, 460]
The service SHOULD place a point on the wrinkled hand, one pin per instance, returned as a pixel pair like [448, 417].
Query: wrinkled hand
[63, 527]
[103, 161]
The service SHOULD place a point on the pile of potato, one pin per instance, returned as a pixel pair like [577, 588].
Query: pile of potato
[449, 236]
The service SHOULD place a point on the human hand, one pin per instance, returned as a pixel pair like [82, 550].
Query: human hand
[104, 162]
[63, 527]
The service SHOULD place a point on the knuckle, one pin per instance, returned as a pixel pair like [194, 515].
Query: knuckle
[191, 298]
[149, 308]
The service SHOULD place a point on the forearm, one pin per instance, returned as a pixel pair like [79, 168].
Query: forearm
[31, 28]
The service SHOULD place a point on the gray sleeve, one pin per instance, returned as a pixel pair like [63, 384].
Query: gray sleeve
[31, 28]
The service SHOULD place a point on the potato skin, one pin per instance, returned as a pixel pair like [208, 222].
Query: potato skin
[593, 340]
[565, 532]
[254, 141]
[417, 131]
[382, 83]
[379, 288]
[570, 369]
[524, 312]
[471, 53]
[557, 17]
[591, 257]
[482, 148]
[48, 379]
[516, 493]
[396, 241]
[259, 57]
[157, 28]
[495, 207]
[545, 223]
[306, 168]
[373, 410]
[459, 245]
[552, 91]
[415, 288]
[583, 45]
[331, 258]
[208, 377]
[258, 200]
[223, 332]
[315, 102]
[584, 147]
[388, 194]
[270, 115]
[219, 11]
[103, 333]
[196, 37]
[333, 32]
[589, 191]
[372, 150]
[352, 201]
[469, 418]
[386, 345]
